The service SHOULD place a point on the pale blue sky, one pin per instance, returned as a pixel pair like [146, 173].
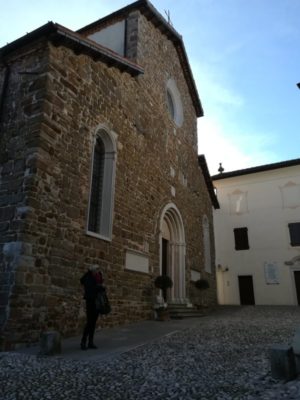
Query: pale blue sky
[245, 59]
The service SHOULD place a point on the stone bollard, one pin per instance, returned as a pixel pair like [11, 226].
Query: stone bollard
[2, 343]
[283, 364]
[296, 349]
[50, 343]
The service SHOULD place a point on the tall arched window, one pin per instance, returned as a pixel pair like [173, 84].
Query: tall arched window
[206, 243]
[102, 185]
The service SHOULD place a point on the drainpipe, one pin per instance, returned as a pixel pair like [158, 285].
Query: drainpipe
[4, 90]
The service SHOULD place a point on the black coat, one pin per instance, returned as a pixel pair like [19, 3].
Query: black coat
[91, 286]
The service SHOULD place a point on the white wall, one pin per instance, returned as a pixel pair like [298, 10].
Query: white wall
[268, 202]
[112, 37]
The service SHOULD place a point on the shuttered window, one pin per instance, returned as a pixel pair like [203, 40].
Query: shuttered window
[241, 238]
[294, 229]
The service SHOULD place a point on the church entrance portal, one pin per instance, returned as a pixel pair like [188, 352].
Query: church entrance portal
[172, 253]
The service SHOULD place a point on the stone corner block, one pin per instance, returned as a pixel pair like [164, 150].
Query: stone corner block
[297, 361]
[50, 343]
[283, 365]
[296, 342]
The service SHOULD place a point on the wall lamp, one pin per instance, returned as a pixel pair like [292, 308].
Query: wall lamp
[223, 269]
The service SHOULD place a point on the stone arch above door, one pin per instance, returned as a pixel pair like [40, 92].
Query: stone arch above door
[172, 241]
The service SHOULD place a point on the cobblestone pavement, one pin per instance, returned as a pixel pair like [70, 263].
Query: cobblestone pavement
[223, 356]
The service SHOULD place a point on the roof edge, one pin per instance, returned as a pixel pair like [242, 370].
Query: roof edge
[41, 31]
[141, 5]
[53, 31]
[260, 168]
[146, 7]
[203, 165]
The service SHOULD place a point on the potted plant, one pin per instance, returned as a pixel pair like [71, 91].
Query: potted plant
[162, 282]
[201, 285]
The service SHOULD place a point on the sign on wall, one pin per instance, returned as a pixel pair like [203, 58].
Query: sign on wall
[271, 273]
[135, 261]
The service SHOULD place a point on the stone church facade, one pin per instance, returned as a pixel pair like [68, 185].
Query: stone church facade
[99, 165]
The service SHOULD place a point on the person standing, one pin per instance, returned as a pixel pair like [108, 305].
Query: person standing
[92, 281]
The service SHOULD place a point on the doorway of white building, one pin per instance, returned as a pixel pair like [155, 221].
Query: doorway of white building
[246, 290]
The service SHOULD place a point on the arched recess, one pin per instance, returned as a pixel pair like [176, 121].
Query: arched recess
[172, 252]
[206, 244]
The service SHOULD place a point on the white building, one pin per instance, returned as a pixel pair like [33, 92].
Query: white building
[257, 234]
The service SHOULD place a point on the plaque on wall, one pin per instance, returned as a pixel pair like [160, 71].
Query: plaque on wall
[136, 261]
[271, 273]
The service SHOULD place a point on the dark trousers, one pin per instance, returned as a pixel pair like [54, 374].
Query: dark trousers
[91, 319]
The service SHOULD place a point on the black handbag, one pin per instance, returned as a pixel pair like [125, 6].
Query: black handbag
[102, 303]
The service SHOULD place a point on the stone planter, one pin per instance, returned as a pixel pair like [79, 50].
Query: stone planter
[162, 314]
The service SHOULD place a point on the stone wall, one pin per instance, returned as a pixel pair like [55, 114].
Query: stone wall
[20, 126]
[177, 147]
[50, 141]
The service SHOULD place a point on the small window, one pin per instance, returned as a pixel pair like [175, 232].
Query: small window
[241, 238]
[174, 102]
[294, 229]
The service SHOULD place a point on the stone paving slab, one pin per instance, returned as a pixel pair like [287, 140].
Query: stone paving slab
[114, 341]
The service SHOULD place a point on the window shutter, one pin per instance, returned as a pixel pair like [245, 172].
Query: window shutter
[294, 229]
[241, 238]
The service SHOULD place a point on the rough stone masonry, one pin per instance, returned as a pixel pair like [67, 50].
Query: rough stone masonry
[54, 95]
